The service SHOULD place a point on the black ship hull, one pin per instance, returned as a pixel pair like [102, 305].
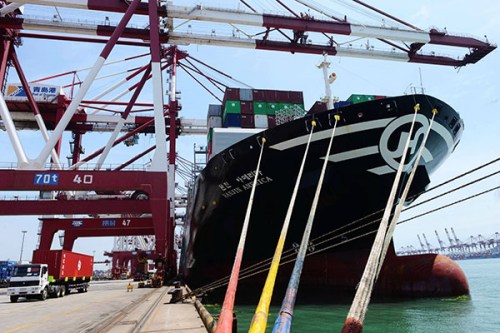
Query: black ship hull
[365, 154]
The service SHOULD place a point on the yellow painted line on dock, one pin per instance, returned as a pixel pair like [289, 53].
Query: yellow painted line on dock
[76, 309]
[30, 324]
[44, 319]
[19, 328]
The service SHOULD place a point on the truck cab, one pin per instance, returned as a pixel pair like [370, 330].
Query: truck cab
[29, 281]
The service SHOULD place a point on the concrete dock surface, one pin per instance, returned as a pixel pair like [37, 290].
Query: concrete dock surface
[161, 317]
[108, 306]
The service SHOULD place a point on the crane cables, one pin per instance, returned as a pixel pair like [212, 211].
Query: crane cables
[324, 240]
[225, 323]
[259, 320]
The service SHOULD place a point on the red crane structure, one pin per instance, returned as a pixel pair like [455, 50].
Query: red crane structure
[164, 26]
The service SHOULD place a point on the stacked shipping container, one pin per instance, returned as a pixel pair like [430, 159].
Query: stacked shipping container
[321, 106]
[255, 108]
[358, 98]
[6, 268]
[246, 111]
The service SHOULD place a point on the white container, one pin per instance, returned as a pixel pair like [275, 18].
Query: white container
[222, 138]
[214, 122]
[261, 121]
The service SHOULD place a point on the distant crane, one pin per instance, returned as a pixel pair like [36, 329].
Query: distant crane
[470, 248]
[449, 238]
[496, 238]
[457, 241]
[441, 243]
[427, 243]
[421, 244]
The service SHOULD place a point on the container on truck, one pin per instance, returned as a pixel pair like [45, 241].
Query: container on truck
[52, 273]
[6, 268]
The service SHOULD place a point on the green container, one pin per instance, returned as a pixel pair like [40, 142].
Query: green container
[233, 107]
[298, 106]
[283, 107]
[356, 98]
[210, 134]
[271, 108]
[260, 108]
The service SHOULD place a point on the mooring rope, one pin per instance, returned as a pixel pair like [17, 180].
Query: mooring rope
[259, 320]
[356, 315]
[225, 324]
[283, 323]
[262, 265]
[402, 199]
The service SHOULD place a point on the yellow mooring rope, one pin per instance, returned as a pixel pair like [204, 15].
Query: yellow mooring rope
[259, 321]
[283, 323]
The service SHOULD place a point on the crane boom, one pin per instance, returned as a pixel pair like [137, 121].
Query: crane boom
[427, 243]
[457, 241]
[441, 243]
[421, 244]
[449, 238]
[304, 34]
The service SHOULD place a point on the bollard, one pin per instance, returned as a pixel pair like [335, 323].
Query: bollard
[176, 293]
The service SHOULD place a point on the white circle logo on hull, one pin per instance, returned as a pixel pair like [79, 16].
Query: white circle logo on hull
[393, 157]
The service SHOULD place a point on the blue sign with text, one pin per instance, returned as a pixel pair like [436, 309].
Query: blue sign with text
[46, 179]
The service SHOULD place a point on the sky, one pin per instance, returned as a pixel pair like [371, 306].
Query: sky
[473, 91]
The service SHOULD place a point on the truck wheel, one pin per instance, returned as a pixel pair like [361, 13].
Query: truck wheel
[62, 291]
[43, 295]
[14, 299]
[139, 195]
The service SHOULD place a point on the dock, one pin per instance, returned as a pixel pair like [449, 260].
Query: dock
[108, 306]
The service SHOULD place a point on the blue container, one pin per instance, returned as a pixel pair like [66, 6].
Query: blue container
[341, 104]
[6, 268]
[232, 120]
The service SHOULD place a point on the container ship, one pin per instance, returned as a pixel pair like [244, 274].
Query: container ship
[367, 148]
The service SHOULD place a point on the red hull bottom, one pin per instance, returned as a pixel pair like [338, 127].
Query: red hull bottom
[332, 278]
[417, 276]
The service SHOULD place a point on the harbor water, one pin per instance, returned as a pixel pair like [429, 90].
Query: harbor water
[477, 313]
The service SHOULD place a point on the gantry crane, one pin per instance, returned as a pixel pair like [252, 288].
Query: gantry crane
[429, 248]
[449, 238]
[421, 244]
[441, 243]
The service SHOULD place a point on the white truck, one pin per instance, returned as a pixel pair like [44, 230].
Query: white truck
[62, 272]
